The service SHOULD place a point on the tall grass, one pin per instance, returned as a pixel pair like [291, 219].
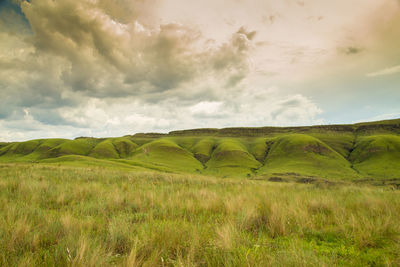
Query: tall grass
[63, 216]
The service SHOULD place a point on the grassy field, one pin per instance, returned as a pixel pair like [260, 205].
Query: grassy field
[61, 215]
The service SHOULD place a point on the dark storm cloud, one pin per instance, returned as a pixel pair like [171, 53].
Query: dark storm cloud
[12, 19]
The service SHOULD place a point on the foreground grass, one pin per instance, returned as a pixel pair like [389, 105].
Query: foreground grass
[64, 216]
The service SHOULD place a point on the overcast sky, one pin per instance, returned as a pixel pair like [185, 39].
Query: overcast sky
[114, 67]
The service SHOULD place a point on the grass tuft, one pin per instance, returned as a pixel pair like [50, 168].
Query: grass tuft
[68, 216]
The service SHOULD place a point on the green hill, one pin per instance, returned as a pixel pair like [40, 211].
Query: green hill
[79, 146]
[124, 146]
[20, 148]
[104, 149]
[304, 155]
[166, 154]
[363, 150]
[377, 156]
[203, 149]
[258, 147]
[18, 151]
[231, 157]
[42, 151]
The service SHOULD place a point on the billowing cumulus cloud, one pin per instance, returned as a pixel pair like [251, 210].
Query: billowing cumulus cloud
[113, 67]
[106, 57]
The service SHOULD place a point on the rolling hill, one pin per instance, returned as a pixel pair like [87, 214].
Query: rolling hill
[357, 151]
[301, 154]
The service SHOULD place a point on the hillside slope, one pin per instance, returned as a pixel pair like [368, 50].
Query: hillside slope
[363, 150]
[231, 157]
[307, 156]
[377, 156]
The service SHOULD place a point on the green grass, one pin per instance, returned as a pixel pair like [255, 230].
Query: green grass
[47, 144]
[84, 161]
[81, 146]
[20, 148]
[377, 156]
[67, 216]
[231, 158]
[203, 149]
[166, 153]
[105, 149]
[141, 141]
[29, 151]
[3, 144]
[335, 152]
[185, 142]
[258, 147]
[124, 146]
[305, 155]
[340, 142]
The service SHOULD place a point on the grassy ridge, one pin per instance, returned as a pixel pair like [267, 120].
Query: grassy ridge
[105, 149]
[305, 155]
[231, 157]
[124, 146]
[62, 216]
[366, 150]
[377, 156]
[166, 153]
[81, 146]
[203, 149]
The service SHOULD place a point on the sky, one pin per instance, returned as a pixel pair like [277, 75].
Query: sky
[116, 67]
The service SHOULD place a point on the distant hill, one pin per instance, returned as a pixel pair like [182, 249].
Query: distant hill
[354, 151]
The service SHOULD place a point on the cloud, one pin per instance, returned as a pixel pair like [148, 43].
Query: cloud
[351, 50]
[296, 108]
[384, 72]
[11, 18]
[109, 51]
[114, 67]
[84, 49]
[207, 108]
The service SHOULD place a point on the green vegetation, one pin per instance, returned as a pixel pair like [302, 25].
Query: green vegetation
[259, 147]
[307, 156]
[231, 157]
[333, 152]
[203, 149]
[167, 154]
[19, 151]
[54, 215]
[339, 142]
[124, 146]
[81, 146]
[105, 149]
[377, 156]
[84, 161]
[160, 200]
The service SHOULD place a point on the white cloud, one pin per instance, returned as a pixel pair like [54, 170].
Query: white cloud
[386, 71]
[206, 108]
